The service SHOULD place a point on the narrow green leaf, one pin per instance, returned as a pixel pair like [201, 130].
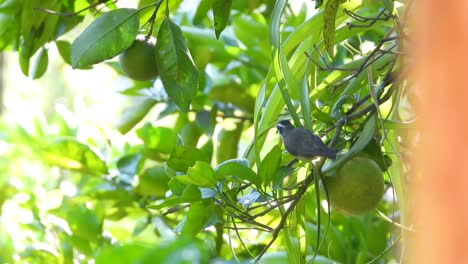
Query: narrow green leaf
[40, 65]
[293, 85]
[177, 70]
[73, 155]
[64, 49]
[389, 5]
[336, 111]
[270, 165]
[133, 115]
[275, 36]
[329, 16]
[221, 12]
[105, 37]
[305, 91]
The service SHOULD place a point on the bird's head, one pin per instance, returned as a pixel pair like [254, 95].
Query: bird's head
[283, 126]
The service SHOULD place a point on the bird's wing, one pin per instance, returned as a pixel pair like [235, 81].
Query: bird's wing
[313, 145]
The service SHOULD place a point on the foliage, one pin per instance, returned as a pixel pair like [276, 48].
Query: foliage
[186, 193]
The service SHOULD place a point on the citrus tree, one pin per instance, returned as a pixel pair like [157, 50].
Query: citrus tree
[207, 178]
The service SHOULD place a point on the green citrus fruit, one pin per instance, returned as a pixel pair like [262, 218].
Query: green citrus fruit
[138, 61]
[356, 187]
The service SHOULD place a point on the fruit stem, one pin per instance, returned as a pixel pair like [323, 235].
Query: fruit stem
[152, 18]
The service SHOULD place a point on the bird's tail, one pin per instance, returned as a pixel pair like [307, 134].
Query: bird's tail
[330, 153]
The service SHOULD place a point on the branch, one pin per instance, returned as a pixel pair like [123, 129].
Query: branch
[297, 198]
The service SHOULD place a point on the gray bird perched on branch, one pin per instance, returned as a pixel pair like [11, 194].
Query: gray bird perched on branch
[302, 143]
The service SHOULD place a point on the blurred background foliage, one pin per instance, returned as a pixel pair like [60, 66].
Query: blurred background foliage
[97, 167]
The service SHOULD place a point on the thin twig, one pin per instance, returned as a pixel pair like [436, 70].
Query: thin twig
[382, 16]
[52, 12]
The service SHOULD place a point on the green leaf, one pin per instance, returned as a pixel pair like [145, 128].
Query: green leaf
[176, 187]
[233, 93]
[196, 219]
[64, 49]
[82, 245]
[184, 157]
[336, 111]
[73, 155]
[366, 136]
[208, 148]
[191, 194]
[228, 142]
[329, 16]
[121, 253]
[105, 37]
[134, 114]
[221, 12]
[318, 3]
[389, 5]
[181, 251]
[238, 168]
[275, 37]
[161, 139]
[206, 120]
[279, 176]
[84, 223]
[202, 175]
[190, 134]
[177, 70]
[153, 181]
[270, 164]
[293, 85]
[107, 191]
[202, 9]
[373, 150]
[40, 65]
[24, 62]
[128, 166]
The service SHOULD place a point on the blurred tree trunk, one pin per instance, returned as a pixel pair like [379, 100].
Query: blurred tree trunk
[440, 188]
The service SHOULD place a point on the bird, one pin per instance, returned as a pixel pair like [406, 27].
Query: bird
[302, 143]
